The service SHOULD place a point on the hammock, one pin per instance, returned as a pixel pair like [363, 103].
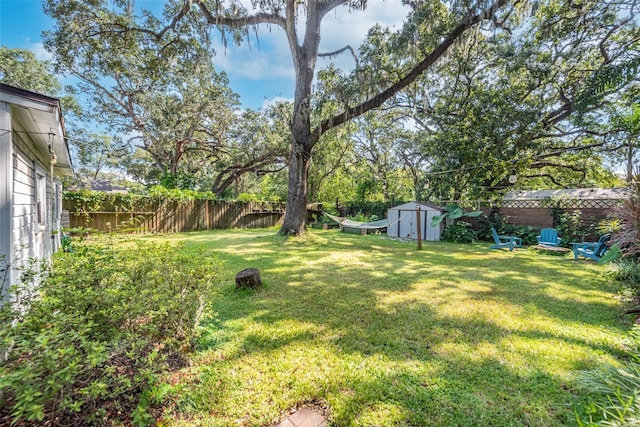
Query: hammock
[373, 225]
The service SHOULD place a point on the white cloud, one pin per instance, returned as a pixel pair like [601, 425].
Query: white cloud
[267, 55]
[41, 53]
[273, 101]
[267, 58]
[344, 27]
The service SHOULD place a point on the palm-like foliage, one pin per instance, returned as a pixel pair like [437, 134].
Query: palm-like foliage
[606, 79]
[628, 236]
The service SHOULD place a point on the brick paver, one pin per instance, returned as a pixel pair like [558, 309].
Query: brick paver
[304, 418]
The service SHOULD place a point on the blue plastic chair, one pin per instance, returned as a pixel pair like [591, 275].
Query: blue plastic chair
[592, 250]
[503, 241]
[549, 237]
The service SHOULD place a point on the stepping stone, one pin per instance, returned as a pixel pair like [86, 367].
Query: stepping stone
[304, 418]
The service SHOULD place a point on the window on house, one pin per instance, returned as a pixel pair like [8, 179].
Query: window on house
[41, 198]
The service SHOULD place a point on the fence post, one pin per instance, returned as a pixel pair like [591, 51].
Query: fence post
[419, 227]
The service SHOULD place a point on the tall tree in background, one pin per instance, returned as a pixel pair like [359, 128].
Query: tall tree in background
[97, 153]
[510, 99]
[166, 100]
[438, 26]
[256, 143]
[21, 68]
[625, 130]
[91, 152]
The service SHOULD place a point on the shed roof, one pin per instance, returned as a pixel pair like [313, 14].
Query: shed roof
[412, 206]
[569, 193]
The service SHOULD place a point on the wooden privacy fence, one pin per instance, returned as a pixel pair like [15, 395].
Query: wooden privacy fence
[175, 216]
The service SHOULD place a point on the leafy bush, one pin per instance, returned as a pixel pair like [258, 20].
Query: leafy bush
[627, 272]
[247, 197]
[460, 232]
[527, 234]
[571, 228]
[105, 325]
[625, 252]
[175, 194]
[614, 392]
[502, 226]
[355, 208]
[360, 217]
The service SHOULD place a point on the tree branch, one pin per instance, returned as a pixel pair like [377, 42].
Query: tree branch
[550, 177]
[338, 52]
[241, 21]
[325, 6]
[564, 150]
[377, 100]
[185, 9]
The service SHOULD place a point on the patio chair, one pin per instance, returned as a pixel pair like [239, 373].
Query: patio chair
[549, 237]
[503, 241]
[592, 250]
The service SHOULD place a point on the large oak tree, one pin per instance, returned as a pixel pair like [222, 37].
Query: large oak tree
[433, 26]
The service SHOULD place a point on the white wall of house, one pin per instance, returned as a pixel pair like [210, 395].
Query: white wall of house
[6, 184]
[30, 179]
[32, 202]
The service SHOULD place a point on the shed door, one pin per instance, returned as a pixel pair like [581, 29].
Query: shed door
[433, 233]
[392, 216]
[407, 225]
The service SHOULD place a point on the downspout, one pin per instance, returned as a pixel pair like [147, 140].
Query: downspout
[52, 161]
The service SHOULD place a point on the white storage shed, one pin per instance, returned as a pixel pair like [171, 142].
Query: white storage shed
[403, 221]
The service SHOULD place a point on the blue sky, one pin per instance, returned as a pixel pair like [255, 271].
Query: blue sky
[259, 75]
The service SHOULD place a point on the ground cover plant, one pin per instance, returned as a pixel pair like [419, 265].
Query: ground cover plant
[379, 333]
[615, 390]
[104, 324]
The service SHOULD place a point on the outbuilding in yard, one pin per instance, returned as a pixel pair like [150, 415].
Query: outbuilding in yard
[403, 221]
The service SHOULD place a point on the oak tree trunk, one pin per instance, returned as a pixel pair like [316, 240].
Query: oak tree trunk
[295, 217]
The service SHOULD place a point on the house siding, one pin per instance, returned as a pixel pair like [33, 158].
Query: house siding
[31, 237]
[6, 150]
[30, 186]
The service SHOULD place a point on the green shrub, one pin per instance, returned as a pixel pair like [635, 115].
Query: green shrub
[626, 271]
[106, 323]
[160, 192]
[360, 217]
[614, 392]
[460, 232]
[571, 228]
[247, 197]
[354, 208]
[502, 226]
[527, 234]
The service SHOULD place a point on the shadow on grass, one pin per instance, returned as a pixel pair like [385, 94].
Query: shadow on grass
[451, 335]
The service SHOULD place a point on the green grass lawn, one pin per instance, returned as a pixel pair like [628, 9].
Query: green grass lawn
[386, 335]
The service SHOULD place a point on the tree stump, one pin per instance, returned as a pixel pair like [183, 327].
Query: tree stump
[248, 278]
